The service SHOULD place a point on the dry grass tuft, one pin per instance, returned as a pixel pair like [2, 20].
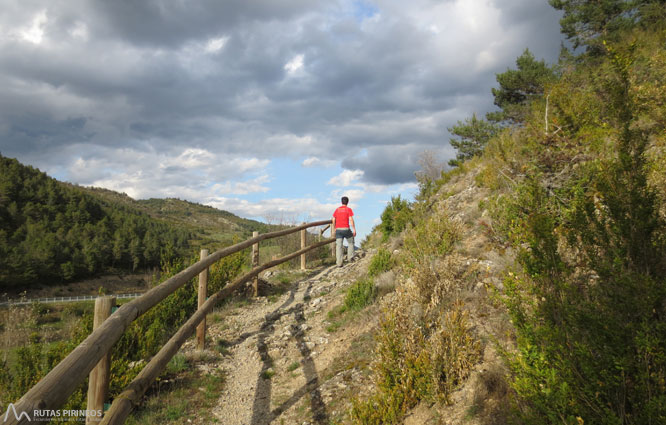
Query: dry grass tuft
[425, 345]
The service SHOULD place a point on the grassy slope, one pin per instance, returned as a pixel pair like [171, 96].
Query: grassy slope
[480, 196]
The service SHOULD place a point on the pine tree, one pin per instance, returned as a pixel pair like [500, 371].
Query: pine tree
[587, 23]
[474, 134]
[517, 87]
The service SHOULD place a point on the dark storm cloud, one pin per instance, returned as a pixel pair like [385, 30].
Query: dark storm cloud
[257, 79]
[158, 23]
[31, 134]
[392, 164]
[539, 20]
[384, 165]
[172, 23]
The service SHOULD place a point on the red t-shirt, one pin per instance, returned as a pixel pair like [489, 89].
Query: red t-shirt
[341, 216]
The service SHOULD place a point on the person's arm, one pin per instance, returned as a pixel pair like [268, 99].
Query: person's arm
[353, 226]
[333, 224]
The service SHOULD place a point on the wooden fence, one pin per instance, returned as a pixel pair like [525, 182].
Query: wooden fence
[54, 389]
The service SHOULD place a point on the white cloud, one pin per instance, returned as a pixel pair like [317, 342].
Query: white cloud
[346, 178]
[256, 185]
[310, 162]
[485, 60]
[35, 32]
[313, 161]
[379, 188]
[190, 158]
[194, 174]
[277, 210]
[214, 45]
[354, 195]
[295, 64]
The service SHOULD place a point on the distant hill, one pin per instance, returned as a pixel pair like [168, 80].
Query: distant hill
[186, 212]
[209, 225]
[53, 232]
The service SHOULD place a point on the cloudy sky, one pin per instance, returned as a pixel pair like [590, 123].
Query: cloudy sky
[268, 109]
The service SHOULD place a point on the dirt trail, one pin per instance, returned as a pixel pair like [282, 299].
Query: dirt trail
[285, 367]
[279, 367]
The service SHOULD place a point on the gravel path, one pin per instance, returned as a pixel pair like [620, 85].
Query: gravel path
[278, 370]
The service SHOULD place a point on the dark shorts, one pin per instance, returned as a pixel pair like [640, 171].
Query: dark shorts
[343, 233]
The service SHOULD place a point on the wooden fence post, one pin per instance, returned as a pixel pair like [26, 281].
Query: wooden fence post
[255, 263]
[303, 244]
[203, 293]
[98, 384]
[333, 244]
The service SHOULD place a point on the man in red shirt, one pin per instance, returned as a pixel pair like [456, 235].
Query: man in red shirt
[343, 218]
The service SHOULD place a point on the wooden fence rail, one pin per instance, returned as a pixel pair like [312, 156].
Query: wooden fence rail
[54, 389]
[123, 404]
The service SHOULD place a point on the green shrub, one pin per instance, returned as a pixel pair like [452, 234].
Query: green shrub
[39, 309]
[360, 294]
[380, 262]
[24, 366]
[395, 217]
[584, 339]
[589, 306]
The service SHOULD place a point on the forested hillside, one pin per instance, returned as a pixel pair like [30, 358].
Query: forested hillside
[556, 207]
[52, 232]
[208, 224]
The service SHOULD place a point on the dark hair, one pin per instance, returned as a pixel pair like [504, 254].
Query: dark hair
[345, 200]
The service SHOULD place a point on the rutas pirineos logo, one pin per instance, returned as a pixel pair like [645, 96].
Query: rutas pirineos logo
[49, 415]
[17, 416]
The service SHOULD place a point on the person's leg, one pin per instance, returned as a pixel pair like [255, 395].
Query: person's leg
[338, 251]
[350, 248]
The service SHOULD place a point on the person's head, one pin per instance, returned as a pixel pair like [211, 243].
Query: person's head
[345, 200]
